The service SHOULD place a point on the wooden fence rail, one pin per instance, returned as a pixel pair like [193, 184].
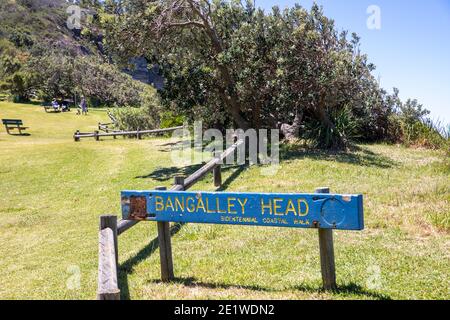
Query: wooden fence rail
[105, 127]
[138, 133]
[213, 165]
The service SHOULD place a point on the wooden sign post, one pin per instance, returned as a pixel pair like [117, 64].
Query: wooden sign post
[320, 210]
[326, 248]
[165, 249]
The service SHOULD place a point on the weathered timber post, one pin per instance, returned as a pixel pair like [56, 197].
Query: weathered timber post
[217, 172]
[97, 138]
[178, 181]
[138, 135]
[108, 259]
[327, 253]
[165, 248]
[75, 136]
[110, 221]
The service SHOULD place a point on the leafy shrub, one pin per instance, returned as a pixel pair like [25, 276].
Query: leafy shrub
[427, 134]
[62, 75]
[394, 132]
[19, 85]
[133, 118]
[21, 38]
[145, 117]
[344, 130]
[170, 119]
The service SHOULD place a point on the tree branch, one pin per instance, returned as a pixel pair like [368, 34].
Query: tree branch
[186, 24]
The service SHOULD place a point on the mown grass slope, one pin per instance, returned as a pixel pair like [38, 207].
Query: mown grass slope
[52, 191]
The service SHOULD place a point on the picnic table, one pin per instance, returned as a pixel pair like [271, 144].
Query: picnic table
[63, 106]
[48, 106]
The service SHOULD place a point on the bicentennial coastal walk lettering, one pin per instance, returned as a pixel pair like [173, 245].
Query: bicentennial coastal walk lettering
[327, 211]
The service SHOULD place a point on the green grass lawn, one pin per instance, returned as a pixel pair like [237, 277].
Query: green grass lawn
[52, 191]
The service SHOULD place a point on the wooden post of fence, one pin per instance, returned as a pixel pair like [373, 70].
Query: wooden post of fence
[108, 288]
[110, 221]
[97, 138]
[327, 253]
[165, 248]
[138, 134]
[178, 181]
[75, 136]
[217, 172]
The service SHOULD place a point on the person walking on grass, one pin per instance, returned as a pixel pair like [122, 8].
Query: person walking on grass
[83, 105]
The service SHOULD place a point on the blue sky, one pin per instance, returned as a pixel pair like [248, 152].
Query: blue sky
[411, 49]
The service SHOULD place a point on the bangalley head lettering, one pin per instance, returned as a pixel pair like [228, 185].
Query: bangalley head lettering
[232, 205]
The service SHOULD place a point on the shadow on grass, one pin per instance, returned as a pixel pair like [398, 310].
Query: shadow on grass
[347, 289]
[232, 176]
[126, 267]
[168, 146]
[25, 134]
[361, 156]
[165, 174]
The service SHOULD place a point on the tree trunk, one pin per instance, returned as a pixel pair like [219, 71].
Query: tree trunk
[231, 98]
[338, 142]
[256, 114]
[291, 131]
[234, 110]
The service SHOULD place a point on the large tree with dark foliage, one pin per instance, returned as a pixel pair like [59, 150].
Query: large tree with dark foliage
[227, 62]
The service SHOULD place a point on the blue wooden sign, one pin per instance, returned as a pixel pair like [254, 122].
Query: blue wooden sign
[328, 211]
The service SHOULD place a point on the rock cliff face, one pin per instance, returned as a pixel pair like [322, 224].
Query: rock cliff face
[30, 24]
[146, 73]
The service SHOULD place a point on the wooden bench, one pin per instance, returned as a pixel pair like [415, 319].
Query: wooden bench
[11, 124]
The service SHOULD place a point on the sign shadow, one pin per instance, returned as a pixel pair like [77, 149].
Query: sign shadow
[126, 267]
[349, 290]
